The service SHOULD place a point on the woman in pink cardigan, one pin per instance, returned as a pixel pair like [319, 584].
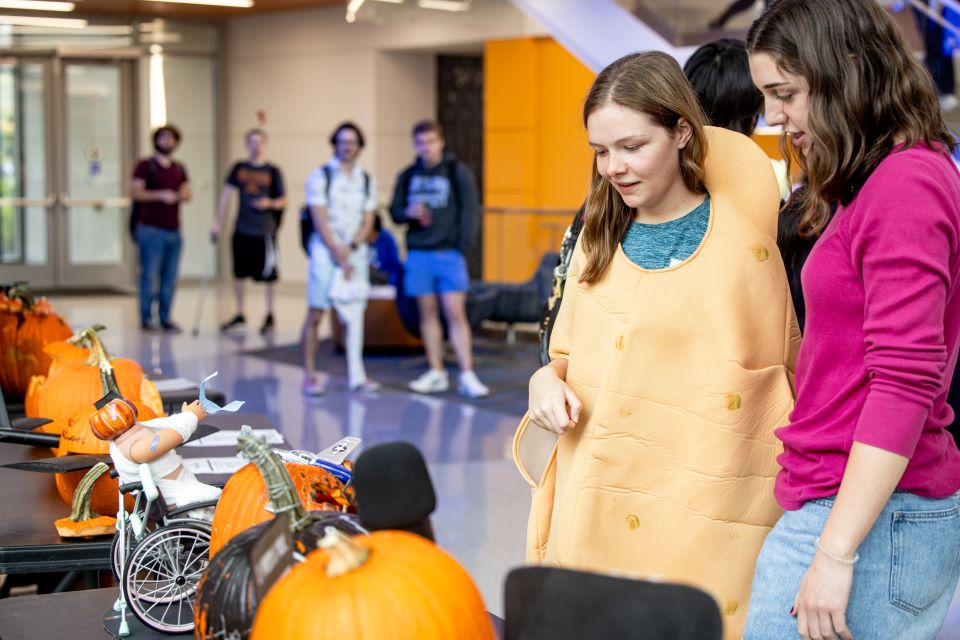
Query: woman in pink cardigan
[869, 544]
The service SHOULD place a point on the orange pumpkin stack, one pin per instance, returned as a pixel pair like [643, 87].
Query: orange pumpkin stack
[68, 395]
[73, 381]
[26, 327]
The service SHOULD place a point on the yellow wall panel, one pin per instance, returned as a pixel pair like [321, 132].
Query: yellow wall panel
[565, 158]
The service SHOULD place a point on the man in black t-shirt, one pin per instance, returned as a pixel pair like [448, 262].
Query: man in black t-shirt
[158, 187]
[261, 199]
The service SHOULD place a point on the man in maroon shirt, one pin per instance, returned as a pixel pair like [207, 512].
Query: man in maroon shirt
[158, 187]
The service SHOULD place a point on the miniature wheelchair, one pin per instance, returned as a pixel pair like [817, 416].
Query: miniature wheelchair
[158, 557]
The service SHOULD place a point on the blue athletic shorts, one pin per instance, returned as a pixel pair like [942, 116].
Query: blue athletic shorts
[441, 271]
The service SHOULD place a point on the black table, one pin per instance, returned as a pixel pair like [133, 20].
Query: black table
[78, 615]
[29, 504]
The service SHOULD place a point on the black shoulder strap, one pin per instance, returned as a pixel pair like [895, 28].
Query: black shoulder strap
[366, 186]
[328, 174]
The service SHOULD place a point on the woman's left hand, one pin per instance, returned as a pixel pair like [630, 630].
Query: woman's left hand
[821, 603]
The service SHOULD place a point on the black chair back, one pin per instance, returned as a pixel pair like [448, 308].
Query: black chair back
[547, 603]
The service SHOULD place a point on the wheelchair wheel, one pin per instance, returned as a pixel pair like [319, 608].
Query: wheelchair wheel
[131, 542]
[160, 581]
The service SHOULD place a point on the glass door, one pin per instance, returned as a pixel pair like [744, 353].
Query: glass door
[66, 152]
[26, 190]
[96, 158]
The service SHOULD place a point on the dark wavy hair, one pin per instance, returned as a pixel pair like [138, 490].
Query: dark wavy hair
[350, 126]
[867, 93]
[653, 84]
[720, 74]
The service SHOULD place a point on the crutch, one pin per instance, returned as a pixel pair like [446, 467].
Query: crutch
[204, 285]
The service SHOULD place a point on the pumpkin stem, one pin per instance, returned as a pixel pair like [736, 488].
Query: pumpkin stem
[80, 508]
[101, 359]
[20, 292]
[283, 495]
[80, 337]
[345, 555]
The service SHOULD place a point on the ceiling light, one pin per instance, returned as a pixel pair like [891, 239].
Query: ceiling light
[444, 5]
[33, 21]
[37, 5]
[352, 7]
[240, 4]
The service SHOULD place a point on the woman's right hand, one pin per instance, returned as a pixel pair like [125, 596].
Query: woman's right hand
[553, 404]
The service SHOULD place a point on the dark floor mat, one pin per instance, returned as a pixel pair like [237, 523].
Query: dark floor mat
[506, 369]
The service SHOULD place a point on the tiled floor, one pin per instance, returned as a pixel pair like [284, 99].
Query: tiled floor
[483, 503]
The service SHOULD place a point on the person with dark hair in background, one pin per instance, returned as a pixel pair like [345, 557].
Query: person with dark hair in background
[260, 201]
[342, 200]
[158, 187]
[436, 198]
[719, 73]
[867, 546]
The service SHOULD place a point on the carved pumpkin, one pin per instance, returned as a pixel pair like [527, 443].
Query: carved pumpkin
[245, 499]
[389, 585]
[226, 596]
[114, 418]
[26, 327]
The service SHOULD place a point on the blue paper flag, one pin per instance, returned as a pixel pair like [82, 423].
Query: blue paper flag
[212, 407]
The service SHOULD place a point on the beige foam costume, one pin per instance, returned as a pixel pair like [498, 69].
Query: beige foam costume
[683, 373]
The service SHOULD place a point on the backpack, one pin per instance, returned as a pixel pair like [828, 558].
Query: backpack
[306, 220]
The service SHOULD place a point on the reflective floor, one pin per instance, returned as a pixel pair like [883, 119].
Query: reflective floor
[483, 502]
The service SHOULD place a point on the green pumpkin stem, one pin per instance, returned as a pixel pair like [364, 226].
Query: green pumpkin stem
[100, 358]
[283, 495]
[80, 508]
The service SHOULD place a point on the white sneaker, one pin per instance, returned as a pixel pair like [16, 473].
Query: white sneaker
[471, 386]
[431, 381]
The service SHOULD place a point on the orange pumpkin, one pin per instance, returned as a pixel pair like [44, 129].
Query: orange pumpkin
[389, 585]
[83, 521]
[114, 418]
[244, 500]
[26, 327]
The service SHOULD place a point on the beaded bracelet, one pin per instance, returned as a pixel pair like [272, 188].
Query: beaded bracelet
[836, 558]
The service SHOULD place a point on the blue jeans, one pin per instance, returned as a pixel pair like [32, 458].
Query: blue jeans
[902, 586]
[159, 262]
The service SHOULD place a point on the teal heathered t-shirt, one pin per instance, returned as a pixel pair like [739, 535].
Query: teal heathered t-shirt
[658, 246]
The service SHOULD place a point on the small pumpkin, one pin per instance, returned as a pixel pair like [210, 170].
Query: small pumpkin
[245, 499]
[113, 419]
[226, 596]
[83, 522]
[27, 325]
[389, 585]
